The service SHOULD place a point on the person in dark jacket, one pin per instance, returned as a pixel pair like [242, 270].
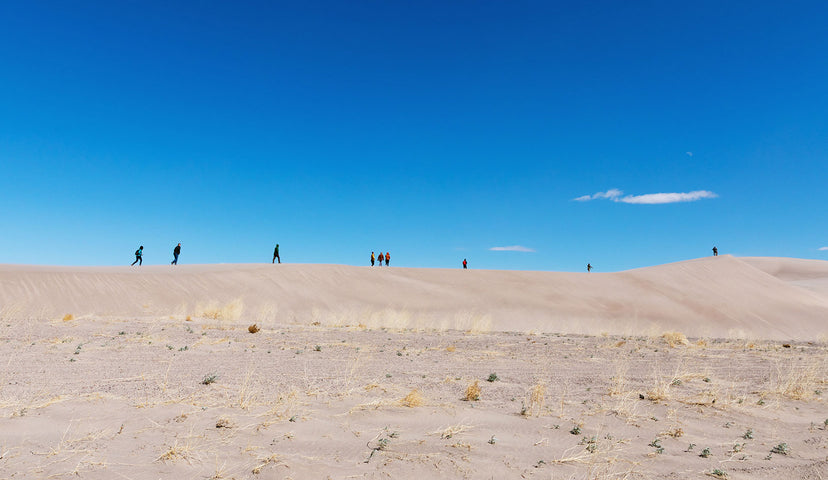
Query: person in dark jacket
[176, 253]
[715, 252]
[276, 254]
[139, 254]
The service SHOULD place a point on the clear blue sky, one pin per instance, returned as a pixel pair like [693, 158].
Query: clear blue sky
[434, 130]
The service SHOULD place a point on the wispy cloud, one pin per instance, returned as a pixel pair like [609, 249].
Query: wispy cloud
[689, 154]
[823, 248]
[611, 194]
[649, 198]
[513, 248]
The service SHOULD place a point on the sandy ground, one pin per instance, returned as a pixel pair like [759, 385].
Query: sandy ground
[132, 393]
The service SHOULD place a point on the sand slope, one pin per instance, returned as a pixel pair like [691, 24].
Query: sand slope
[771, 298]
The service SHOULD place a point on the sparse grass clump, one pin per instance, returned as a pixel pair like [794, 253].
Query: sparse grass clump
[413, 399]
[718, 473]
[209, 378]
[472, 392]
[748, 434]
[492, 377]
[675, 339]
[68, 317]
[535, 399]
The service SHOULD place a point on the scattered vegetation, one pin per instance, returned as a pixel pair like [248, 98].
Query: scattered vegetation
[705, 453]
[68, 317]
[492, 377]
[209, 378]
[781, 449]
[253, 328]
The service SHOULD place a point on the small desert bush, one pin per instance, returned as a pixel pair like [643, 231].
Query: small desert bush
[413, 399]
[253, 328]
[472, 392]
[675, 339]
[209, 378]
[68, 317]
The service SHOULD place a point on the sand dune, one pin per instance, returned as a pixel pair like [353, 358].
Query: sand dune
[773, 298]
[128, 388]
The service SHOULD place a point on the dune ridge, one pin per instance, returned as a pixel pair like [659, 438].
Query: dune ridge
[772, 298]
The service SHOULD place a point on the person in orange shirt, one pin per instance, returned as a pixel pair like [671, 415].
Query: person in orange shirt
[387, 258]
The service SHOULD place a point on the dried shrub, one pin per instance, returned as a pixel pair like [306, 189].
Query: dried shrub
[253, 328]
[472, 392]
[413, 399]
[68, 317]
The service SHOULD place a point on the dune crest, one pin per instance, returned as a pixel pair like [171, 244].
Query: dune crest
[772, 298]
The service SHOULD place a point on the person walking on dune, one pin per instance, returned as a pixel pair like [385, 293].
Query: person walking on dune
[276, 255]
[176, 253]
[381, 259]
[715, 252]
[589, 267]
[373, 258]
[465, 264]
[139, 254]
[387, 258]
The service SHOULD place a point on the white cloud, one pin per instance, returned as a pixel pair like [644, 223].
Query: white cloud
[659, 198]
[689, 154]
[513, 248]
[648, 199]
[612, 194]
[823, 248]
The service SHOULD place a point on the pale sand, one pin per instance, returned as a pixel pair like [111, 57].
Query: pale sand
[116, 389]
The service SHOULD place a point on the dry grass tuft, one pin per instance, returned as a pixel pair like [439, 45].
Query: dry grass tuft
[253, 328]
[675, 339]
[472, 391]
[68, 317]
[189, 318]
[535, 399]
[265, 462]
[451, 348]
[230, 311]
[413, 399]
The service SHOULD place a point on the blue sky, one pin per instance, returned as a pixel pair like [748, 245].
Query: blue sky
[519, 135]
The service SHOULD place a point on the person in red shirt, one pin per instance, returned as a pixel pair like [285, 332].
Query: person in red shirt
[465, 264]
[387, 258]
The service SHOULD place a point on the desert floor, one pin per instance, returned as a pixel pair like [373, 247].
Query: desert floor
[164, 397]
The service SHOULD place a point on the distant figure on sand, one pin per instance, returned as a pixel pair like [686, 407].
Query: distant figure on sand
[276, 254]
[373, 258]
[176, 253]
[589, 267]
[138, 256]
[381, 259]
[387, 258]
[715, 252]
[465, 264]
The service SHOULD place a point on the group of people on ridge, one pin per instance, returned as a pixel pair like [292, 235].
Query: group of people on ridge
[386, 258]
[139, 255]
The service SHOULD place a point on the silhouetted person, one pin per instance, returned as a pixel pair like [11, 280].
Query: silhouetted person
[715, 252]
[276, 254]
[381, 259]
[176, 253]
[373, 258]
[387, 258]
[589, 267]
[139, 254]
[465, 264]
